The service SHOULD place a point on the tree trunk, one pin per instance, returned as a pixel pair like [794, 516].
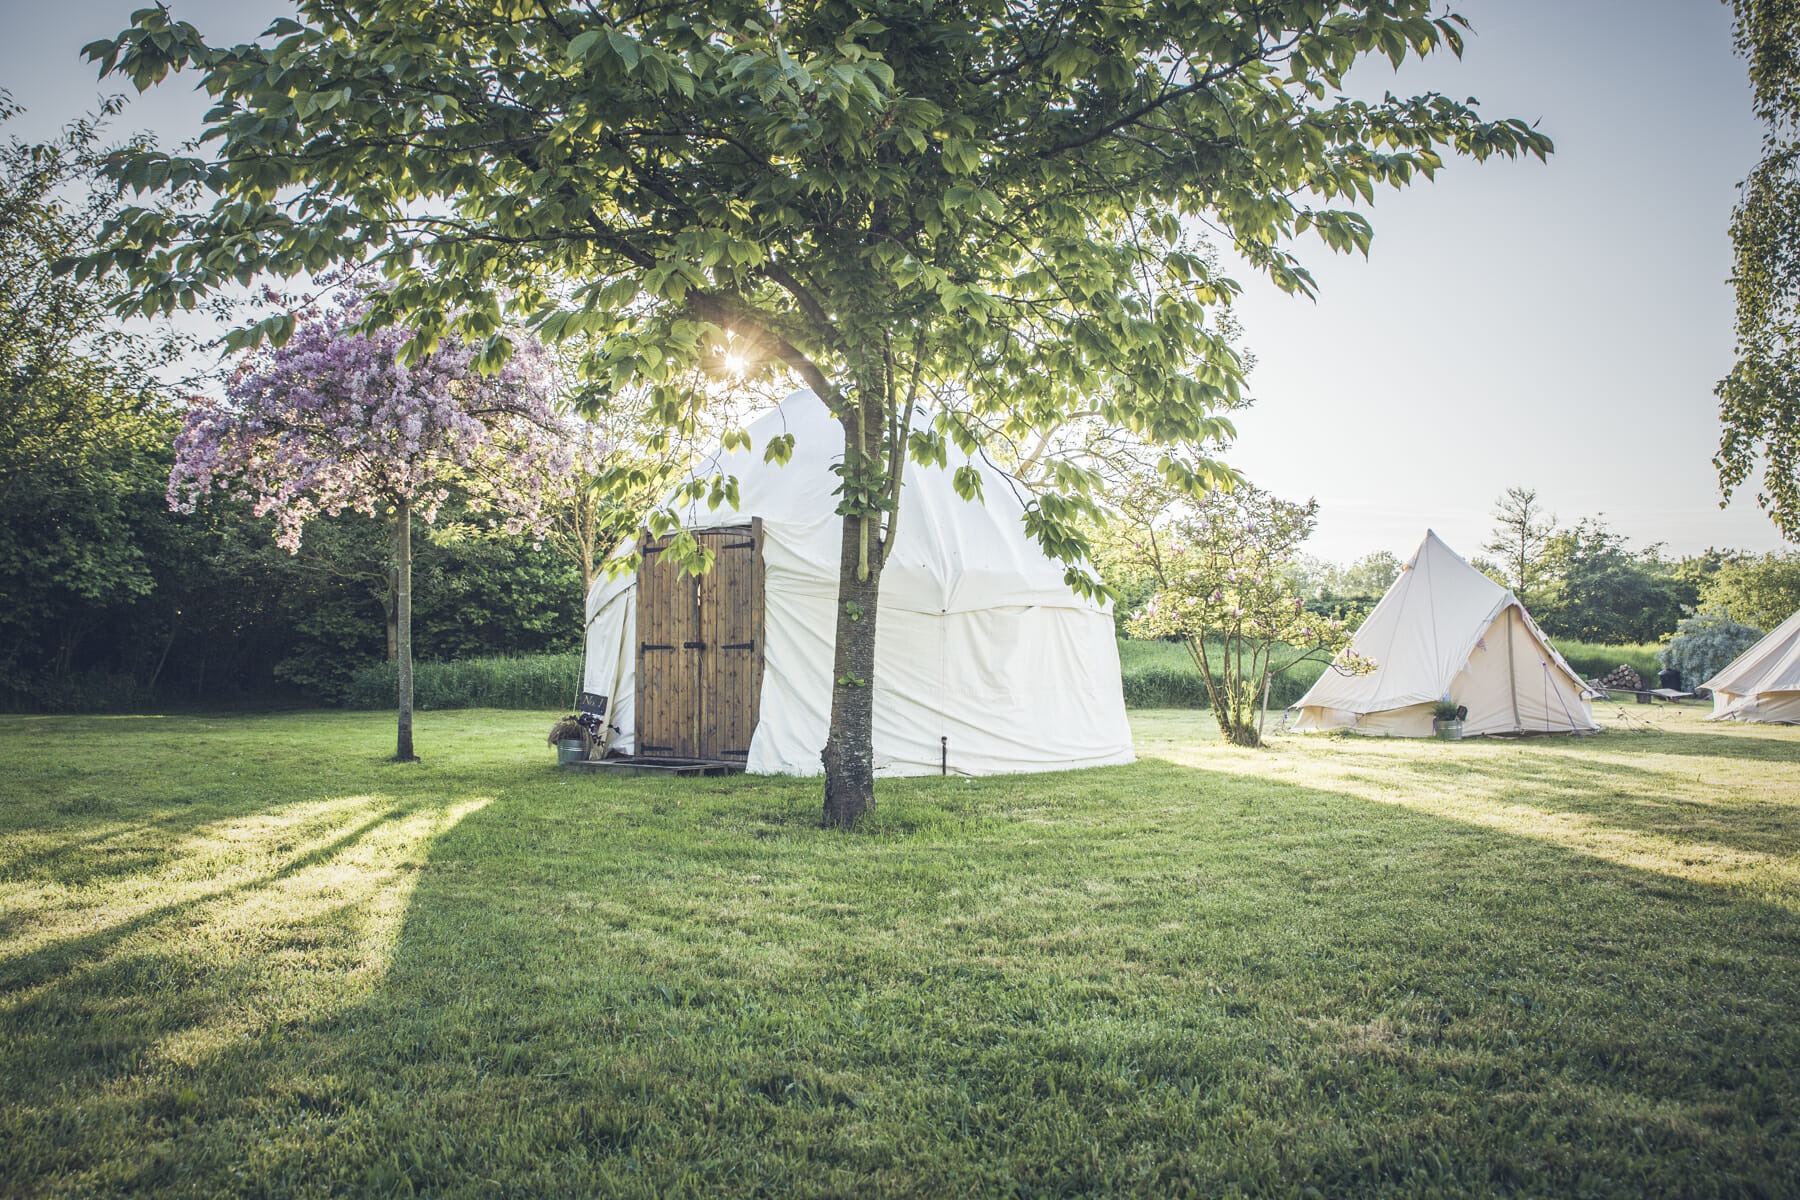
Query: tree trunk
[1242, 735]
[403, 746]
[849, 747]
[389, 597]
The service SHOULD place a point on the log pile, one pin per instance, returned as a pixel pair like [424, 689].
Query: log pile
[1623, 678]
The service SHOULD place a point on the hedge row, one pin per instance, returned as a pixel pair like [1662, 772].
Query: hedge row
[1155, 675]
[1593, 661]
[530, 681]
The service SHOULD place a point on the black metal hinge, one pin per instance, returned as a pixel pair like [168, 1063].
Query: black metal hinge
[738, 646]
[654, 646]
[693, 645]
[734, 754]
[738, 546]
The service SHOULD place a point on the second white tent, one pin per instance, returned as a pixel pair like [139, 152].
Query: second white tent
[1444, 631]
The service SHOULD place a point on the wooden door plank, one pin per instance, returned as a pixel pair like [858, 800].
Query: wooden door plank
[668, 656]
[730, 606]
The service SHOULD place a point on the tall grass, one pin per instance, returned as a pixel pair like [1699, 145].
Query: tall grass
[536, 681]
[1592, 660]
[1159, 674]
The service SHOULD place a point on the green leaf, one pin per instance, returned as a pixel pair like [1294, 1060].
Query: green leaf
[582, 44]
[625, 47]
[780, 449]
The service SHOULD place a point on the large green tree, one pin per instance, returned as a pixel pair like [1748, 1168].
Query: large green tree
[83, 424]
[1595, 588]
[1761, 591]
[1759, 402]
[985, 205]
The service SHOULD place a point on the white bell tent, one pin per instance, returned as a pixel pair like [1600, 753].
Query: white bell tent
[1446, 631]
[986, 661]
[1762, 683]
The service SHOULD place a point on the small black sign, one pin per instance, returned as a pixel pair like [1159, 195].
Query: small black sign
[588, 702]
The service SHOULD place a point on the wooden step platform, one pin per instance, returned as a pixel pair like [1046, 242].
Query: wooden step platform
[627, 765]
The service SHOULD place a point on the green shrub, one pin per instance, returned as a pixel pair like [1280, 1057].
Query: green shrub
[1164, 687]
[1705, 644]
[95, 691]
[526, 681]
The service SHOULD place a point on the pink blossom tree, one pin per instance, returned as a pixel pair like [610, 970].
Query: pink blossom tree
[337, 419]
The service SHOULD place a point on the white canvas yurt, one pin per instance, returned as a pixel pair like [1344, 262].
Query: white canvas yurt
[1446, 631]
[1762, 683]
[986, 661]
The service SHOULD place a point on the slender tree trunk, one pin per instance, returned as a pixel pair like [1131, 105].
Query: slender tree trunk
[587, 538]
[168, 643]
[849, 747]
[1262, 710]
[403, 747]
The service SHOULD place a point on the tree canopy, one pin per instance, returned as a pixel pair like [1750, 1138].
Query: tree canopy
[1596, 589]
[83, 422]
[991, 207]
[1760, 590]
[113, 601]
[1759, 402]
[1221, 568]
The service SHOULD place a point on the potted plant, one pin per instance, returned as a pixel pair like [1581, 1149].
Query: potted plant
[570, 739]
[1447, 719]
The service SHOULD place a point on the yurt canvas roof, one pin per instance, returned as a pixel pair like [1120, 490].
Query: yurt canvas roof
[1423, 634]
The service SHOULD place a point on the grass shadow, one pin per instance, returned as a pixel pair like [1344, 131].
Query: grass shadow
[1640, 787]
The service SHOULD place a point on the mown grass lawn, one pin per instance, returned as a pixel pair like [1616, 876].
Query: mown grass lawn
[244, 956]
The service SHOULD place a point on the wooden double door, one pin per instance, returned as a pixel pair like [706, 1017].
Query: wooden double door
[700, 648]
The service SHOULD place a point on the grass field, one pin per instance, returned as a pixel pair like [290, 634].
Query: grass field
[244, 956]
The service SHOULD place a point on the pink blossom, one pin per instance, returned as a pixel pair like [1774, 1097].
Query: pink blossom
[334, 420]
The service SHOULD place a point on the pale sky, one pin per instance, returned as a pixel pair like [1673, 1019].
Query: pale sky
[1556, 326]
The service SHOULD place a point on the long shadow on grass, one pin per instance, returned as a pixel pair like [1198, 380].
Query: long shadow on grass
[1561, 777]
[1144, 980]
[1704, 742]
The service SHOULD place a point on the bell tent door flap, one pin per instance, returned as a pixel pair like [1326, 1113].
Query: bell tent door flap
[700, 648]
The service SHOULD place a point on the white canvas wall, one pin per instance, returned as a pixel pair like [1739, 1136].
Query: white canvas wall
[979, 639]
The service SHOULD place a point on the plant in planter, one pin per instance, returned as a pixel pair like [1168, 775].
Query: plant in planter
[570, 737]
[1447, 719]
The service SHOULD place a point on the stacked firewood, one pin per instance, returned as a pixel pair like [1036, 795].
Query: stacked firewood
[1623, 678]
